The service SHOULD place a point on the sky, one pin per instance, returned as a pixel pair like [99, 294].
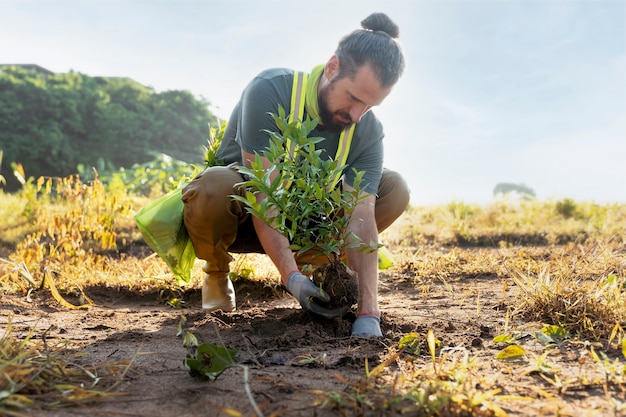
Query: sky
[527, 92]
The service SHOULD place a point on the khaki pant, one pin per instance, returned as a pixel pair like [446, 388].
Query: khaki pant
[218, 224]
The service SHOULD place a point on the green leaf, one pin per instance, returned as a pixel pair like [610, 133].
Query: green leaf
[610, 280]
[209, 361]
[305, 248]
[511, 352]
[410, 342]
[555, 332]
[190, 340]
[503, 338]
[298, 201]
[182, 325]
[433, 343]
[543, 338]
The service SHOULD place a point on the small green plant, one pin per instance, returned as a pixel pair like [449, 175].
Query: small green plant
[155, 177]
[205, 361]
[414, 343]
[297, 195]
[216, 134]
[552, 334]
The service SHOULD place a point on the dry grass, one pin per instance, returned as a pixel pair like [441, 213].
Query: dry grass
[565, 259]
[509, 223]
[45, 374]
[439, 384]
[580, 288]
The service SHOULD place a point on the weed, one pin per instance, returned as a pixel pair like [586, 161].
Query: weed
[42, 375]
[447, 388]
[75, 224]
[566, 271]
[589, 307]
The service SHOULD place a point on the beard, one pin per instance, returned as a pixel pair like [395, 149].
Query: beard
[328, 118]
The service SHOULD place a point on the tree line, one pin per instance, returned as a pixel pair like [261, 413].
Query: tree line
[52, 124]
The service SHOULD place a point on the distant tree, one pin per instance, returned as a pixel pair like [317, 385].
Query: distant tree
[51, 124]
[566, 208]
[506, 188]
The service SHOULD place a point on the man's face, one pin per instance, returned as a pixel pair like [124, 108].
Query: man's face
[343, 101]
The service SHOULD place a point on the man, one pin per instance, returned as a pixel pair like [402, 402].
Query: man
[359, 76]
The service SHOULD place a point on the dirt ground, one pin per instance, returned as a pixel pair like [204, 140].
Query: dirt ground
[287, 357]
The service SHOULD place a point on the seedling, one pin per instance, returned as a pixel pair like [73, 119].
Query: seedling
[297, 195]
[204, 361]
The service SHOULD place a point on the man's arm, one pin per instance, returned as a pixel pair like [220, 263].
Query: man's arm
[363, 262]
[276, 245]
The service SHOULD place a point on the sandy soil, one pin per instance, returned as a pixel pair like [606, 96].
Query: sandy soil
[290, 357]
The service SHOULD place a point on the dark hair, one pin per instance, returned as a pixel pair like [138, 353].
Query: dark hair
[375, 44]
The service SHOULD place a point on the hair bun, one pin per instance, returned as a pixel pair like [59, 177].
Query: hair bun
[380, 22]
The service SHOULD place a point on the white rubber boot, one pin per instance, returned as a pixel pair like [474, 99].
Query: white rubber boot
[218, 292]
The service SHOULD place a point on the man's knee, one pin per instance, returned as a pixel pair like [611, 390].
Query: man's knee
[393, 198]
[211, 216]
[213, 183]
[394, 187]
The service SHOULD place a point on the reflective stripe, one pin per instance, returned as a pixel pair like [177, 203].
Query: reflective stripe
[297, 95]
[345, 140]
[297, 113]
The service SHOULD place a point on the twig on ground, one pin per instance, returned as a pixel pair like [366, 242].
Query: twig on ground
[246, 387]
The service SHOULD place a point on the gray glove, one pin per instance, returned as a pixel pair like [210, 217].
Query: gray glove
[366, 326]
[304, 290]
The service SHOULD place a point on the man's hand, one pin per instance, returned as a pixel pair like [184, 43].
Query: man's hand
[366, 326]
[304, 290]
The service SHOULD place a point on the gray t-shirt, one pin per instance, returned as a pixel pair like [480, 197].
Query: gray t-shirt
[251, 119]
